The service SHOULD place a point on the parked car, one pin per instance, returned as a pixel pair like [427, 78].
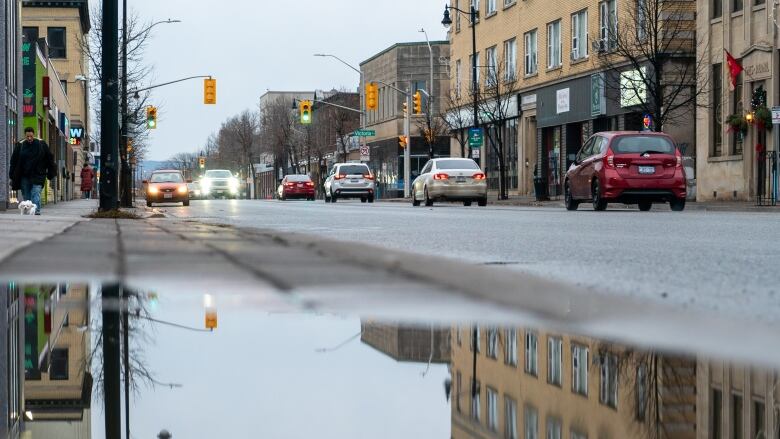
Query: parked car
[450, 179]
[166, 186]
[296, 186]
[219, 183]
[350, 180]
[627, 167]
[194, 190]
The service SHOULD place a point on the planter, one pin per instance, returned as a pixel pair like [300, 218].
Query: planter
[737, 124]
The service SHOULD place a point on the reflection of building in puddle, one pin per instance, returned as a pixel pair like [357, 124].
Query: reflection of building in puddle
[418, 344]
[531, 384]
[58, 385]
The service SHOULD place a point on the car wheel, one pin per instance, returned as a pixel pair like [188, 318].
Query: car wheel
[482, 202]
[645, 206]
[569, 201]
[186, 203]
[598, 202]
[415, 201]
[363, 199]
[333, 198]
[371, 199]
[467, 203]
[678, 204]
[148, 203]
[428, 201]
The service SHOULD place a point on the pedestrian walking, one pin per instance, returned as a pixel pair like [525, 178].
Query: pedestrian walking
[87, 174]
[31, 164]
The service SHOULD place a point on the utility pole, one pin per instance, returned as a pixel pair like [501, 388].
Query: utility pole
[407, 150]
[111, 354]
[126, 342]
[109, 110]
[125, 177]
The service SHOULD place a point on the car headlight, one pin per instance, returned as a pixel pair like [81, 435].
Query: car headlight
[153, 190]
[182, 189]
[205, 184]
[233, 183]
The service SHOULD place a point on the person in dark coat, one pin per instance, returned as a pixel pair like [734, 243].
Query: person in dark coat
[87, 174]
[31, 164]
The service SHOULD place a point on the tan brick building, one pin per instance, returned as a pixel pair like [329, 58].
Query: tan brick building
[728, 165]
[64, 24]
[555, 52]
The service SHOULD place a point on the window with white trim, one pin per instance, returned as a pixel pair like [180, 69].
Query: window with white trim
[642, 9]
[608, 25]
[510, 348]
[491, 7]
[531, 52]
[554, 44]
[554, 360]
[531, 423]
[510, 60]
[457, 87]
[475, 404]
[579, 369]
[510, 418]
[471, 71]
[579, 35]
[608, 386]
[554, 428]
[492, 409]
[492, 339]
[531, 352]
[490, 53]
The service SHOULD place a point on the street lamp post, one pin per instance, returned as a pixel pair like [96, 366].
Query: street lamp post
[473, 16]
[430, 98]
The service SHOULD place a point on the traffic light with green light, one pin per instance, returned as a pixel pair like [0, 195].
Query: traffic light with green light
[151, 117]
[305, 108]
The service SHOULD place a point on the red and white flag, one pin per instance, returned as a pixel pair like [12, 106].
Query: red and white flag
[735, 68]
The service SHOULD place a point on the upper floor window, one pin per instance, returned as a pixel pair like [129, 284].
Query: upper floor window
[608, 386]
[554, 360]
[510, 59]
[554, 44]
[57, 42]
[491, 65]
[491, 7]
[737, 5]
[457, 86]
[510, 350]
[531, 352]
[717, 8]
[608, 25]
[474, 61]
[492, 339]
[457, 15]
[579, 369]
[579, 35]
[759, 2]
[530, 52]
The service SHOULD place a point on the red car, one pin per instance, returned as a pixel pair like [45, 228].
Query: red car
[627, 167]
[296, 186]
[167, 186]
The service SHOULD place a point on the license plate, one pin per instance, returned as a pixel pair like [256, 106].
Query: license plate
[354, 180]
[300, 184]
[647, 169]
[167, 195]
[461, 179]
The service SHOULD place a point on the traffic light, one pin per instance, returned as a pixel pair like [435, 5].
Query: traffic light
[129, 146]
[210, 91]
[403, 142]
[406, 109]
[305, 108]
[372, 96]
[417, 103]
[151, 117]
[202, 162]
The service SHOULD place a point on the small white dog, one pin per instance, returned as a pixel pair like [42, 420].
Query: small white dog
[27, 208]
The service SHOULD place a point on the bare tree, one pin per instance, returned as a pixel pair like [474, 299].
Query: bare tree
[499, 90]
[456, 120]
[649, 56]
[187, 162]
[431, 127]
[240, 137]
[276, 122]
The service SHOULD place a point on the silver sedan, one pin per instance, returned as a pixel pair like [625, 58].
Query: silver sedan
[450, 179]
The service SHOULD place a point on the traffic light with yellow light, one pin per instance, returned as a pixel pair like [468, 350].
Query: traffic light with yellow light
[403, 141]
[417, 98]
[305, 108]
[210, 91]
[151, 117]
[406, 109]
[372, 96]
[202, 162]
[129, 146]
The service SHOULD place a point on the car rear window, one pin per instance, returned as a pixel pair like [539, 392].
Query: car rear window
[353, 170]
[641, 144]
[457, 164]
[298, 178]
[167, 177]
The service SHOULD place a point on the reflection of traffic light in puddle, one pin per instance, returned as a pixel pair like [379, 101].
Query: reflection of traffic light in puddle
[211, 312]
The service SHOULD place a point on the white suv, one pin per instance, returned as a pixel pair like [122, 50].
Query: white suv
[350, 180]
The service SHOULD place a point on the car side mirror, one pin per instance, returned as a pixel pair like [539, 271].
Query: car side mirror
[145, 182]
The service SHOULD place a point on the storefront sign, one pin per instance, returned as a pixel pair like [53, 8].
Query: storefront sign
[28, 78]
[776, 115]
[475, 137]
[528, 100]
[598, 95]
[76, 135]
[563, 101]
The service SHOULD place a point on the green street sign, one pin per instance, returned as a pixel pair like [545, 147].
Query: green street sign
[363, 133]
[475, 137]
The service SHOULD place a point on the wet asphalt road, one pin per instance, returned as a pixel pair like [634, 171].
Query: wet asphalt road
[728, 261]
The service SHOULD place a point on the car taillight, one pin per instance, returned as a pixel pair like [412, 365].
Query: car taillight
[441, 176]
[309, 184]
[478, 176]
[609, 159]
[289, 184]
[340, 176]
[679, 160]
[368, 176]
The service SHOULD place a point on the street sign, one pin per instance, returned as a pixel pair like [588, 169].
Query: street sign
[365, 153]
[776, 115]
[363, 133]
[475, 153]
[475, 137]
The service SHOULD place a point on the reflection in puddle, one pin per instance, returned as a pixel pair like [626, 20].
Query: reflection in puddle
[296, 375]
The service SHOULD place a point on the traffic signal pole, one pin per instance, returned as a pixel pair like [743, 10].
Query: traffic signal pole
[109, 110]
[407, 150]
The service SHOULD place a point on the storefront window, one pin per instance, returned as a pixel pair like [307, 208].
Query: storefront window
[739, 108]
[554, 162]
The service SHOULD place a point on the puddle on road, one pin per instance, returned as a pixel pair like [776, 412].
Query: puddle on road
[291, 374]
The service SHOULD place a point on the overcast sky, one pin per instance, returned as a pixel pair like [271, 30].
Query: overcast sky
[252, 46]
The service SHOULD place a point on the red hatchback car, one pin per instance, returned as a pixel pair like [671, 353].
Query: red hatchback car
[627, 167]
[296, 186]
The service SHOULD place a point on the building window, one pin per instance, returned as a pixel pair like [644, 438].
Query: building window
[458, 389]
[608, 25]
[510, 60]
[554, 428]
[579, 35]
[510, 350]
[509, 2]
[491, 66]
[736, 417]
[57, 42]
[737, 5]
[716, 421]
[531, 423]
[492, 408]
[510, 418]
[457, 16]
[475, 406]
[30, 34]
[554, 360]
[717, 8]
[58, 370]
[64, 85]
[531, 352]
[578, 435]
[530, 53]
[475, 5]
[579, 369]
[457, 79]
[475, 334]
[492, 350]
[642, 10]
[554, 44]
[641, 392]
[759, 2]
[717, 110]
[737, 141]
[471, 74]
[758, 428]
[491, 7]
[608, 387]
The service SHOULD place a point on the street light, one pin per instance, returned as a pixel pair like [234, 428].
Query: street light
[473, 16]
